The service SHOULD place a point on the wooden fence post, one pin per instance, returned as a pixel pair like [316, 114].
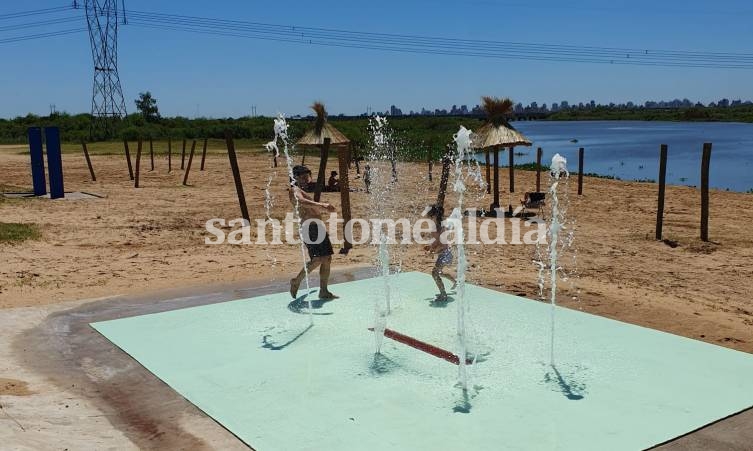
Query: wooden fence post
[236, 175]
[662, 181]
[203, 154]
[151, 152]
[190, 159]
[183, 155]
[128, 158]
[169, 155]
[88, 160]
[138, 163]
[344, 157]
[705, 162]
[539, 153]
[580, 171]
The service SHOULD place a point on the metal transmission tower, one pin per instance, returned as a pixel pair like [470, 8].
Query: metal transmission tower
[108, 105]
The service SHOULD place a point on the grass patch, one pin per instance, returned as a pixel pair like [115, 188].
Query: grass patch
[16, 233]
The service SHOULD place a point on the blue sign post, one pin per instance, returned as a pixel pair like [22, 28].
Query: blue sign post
[54, 162]
[37, 161]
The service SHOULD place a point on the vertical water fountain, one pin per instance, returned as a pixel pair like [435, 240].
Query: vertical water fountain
[557, 223]
[281, 133]
[381, 151]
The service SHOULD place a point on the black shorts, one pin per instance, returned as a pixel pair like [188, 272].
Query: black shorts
[322, 249]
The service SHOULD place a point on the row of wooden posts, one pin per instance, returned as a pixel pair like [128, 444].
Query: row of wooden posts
[705, 163]
[344, 160]
[135, 177]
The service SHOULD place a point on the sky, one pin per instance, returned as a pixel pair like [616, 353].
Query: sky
[202, 75]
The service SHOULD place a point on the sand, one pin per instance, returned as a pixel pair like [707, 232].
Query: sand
[136, 241]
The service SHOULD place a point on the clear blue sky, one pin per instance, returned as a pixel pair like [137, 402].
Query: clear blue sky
[219, 76]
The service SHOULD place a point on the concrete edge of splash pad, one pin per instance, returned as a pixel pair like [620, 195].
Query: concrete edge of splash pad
[77, 373]
[634, 389]
[69, 195]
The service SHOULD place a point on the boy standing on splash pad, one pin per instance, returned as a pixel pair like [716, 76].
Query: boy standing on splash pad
[443, 250]
[320, 251]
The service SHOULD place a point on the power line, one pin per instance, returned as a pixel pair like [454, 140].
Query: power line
[26, 25]
[441, 46]
[406, 43]
[41, 35]
[35, 12]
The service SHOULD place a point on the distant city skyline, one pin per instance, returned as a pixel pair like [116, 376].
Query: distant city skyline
[193, 74]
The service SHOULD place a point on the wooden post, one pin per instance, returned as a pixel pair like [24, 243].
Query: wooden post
[151, 152]
[495, 204]
[431, 163]
[204, 155]
[705, 162]
[128, 158]
[446, 162]
[303, 161]
[236, 175]
[138, 164]
[539, 153]
[188, 168]
[580, 171]
[511, 160]
[662, 181]
[344, 153]
[88, 160]
[183, 155]
[169, 155]
[488, 173]
[324, 152]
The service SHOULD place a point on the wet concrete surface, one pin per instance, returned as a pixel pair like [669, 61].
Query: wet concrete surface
[67, 352]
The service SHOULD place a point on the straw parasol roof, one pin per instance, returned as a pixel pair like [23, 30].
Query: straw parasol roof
[322, 129]
[497, 131]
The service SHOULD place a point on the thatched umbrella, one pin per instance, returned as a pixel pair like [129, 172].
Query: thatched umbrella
[322, 135]
[498, 133]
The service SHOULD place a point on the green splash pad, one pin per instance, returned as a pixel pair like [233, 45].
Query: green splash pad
[257, 368]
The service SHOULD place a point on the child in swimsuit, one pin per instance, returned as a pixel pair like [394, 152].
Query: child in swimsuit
[444, 252]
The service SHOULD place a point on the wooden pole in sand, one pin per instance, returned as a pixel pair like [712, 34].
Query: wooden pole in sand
[169, 155]
[662, 181]
[138, 164]
[324, 152]
[431, 163]
[705, 162]
[151, 152]
[446, 161]
[128, 158]
[88, 160]
[183, 155]
[580, 171]
[495, 204]
[344, 153]
[539, 153]
[188, 168]
[204, 155]
[511, 160]
[488, 173]
[236, 175]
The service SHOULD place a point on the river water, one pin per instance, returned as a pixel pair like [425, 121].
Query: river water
[629, 150]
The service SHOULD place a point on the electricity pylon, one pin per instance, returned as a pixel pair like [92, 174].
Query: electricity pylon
[108, 105]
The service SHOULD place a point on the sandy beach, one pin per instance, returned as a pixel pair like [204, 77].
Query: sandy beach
[134, 241]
